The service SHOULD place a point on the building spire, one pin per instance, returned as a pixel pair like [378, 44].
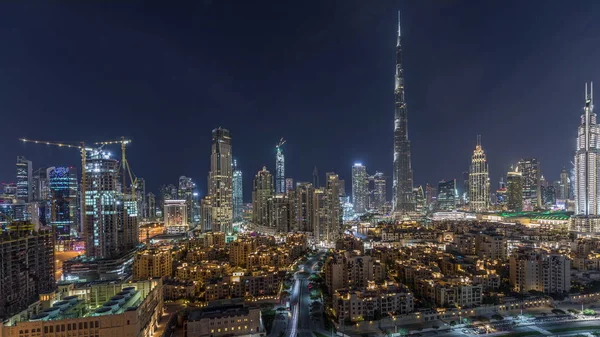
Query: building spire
[399, 30]
[479, 140]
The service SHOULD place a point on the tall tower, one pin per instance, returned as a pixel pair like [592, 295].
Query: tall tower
[360, 188]
[220, 181]
[532, 187]
[403, 175]
[238, 192]
[280, 169]
[479, 181]
[24, 179]
[261, 193]
[587, 160]
[514, 190]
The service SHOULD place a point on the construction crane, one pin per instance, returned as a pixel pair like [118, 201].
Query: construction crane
[281, 142]
[124, 163]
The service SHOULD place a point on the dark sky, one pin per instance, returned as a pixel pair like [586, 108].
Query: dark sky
[318, 73]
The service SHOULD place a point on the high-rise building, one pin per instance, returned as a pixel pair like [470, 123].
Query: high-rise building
[39, 184]
[151, 199]
[176, 216]
[220, 180]
[280, 169]
[548, 196]
[238, 193]
[419, 199]
[303, 207]
[315, 175]
[289, 184]
[64, 190]
[532, 195]
[514, 191]
[186, 192]
[27, 268]
[333, 207]
[464, 193]
[479, 180]
[360, 188]
[24, 180]
[280, 213]
[430, 195]
[140, 195]
[379, 190]
[100, 206]
[565, 184]
[587, 160]
[403, 176]
[447, 195]
[262, 191]
[206, 214]
[319, 214]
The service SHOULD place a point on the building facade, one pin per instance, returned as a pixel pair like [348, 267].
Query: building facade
[279, 170]
[530, 172]
[220, 180]
[238, 193]
[24, 180]
[514, 191]
[176, 216]
[262, 191]
[64, 192]
[447, 195]
[479, 180]
[360, 188]
[539, 270]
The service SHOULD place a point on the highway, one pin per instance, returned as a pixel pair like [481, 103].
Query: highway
[300, 325]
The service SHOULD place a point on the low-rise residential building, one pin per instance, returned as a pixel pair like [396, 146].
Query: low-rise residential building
[218, 320]
[540, 270]
[152, 263]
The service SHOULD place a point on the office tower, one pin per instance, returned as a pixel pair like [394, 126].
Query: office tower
[379, 190]
[220, 180]
[39, 184]
[565, 184]
[530, 171]
[100, 207]
[403, 176]
[419, 199]
[360, 188]
[548, 196]
[151, 199]
[24, 179]
[206, 214]
[128, 228]
[64, 190]
[315, 175]
[262, 191]
[289, 184]
[280, 213]
[501, 184]
[430, 195]
[186, 192]
[27, 268]
[514, 191]
[303, 207]
[280, 169]
[587, 160]
[333, 206]
[238, 193]
[176, 216]
[167, 192]
[479, 181]
[447, 195]
[140, 195]
[9, 190]
[342, 187]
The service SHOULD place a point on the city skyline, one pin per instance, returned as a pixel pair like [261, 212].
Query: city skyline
[255, 149]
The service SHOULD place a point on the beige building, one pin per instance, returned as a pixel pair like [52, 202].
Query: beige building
[348, 270]
[491, 246]
[152, 263]
[224, 320]
[93, 310]
[540, 270]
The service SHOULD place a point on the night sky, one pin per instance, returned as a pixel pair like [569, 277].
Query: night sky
[318, 73]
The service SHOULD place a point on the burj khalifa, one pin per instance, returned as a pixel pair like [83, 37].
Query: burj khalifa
[403, 198]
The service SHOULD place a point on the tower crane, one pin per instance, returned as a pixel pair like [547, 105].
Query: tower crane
[281, 142]
[124, 163]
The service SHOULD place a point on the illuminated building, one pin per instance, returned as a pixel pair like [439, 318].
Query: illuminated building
[587, 160]
[360, 188]
[319, 214]
[220, 320]
[281, 215]
[430, 195]
[39, 184]
[238, 193]
[548, 196]
[220, 180]
[333, 207]
[261, 193]
[152, 263]
[140, 195]
[315, 178]
[479, 181]
[206, 214]
[176, 216]
[280, 169]
[27, 268]
[538, 270]
[565, 184]
[186, 192]
[289, 184]
[532, 195]
[151, 200]
[403, 201]
[100, 211]
[379, 190]
[447, 195]
[64, 191]
[304, 207]
[24, 180]
[514, 191]
[98, 309]
[419, 199]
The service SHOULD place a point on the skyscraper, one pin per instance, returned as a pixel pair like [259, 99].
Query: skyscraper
[403, 175]
[64, 197]
[514, 191]
[186, 192]
[360, 188]
[565, 184]
[315, 178]
[334, 207]
[100, 206]
[532, 194]
[379, 190]
[151, 205]
[447, 195]
[176, 216]
[261, 193]
[304, 195]
[289, 184]
[238, 192]
[24, 179]
[479, 181]
[220, 180]
[587, 160]
[280, 169]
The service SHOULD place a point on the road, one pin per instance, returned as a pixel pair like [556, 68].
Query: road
[61, 257]
[300, 324]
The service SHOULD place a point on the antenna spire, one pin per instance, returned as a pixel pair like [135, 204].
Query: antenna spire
[399, 30]
[479, 140]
